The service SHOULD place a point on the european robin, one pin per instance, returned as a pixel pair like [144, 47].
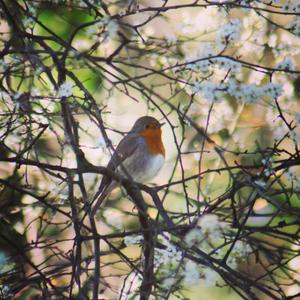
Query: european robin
[139, 156]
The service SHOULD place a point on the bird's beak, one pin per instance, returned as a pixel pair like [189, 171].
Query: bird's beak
[161, 124]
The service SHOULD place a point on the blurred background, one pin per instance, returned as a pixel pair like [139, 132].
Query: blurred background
[227, 70]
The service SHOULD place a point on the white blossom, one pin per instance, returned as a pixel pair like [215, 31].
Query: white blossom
[169, 282]
[232, 262]
[297, 184]
[207, 50]
[202, 66]
[239, 252]
[290, 175]
[273, 90]
[209, 90]
[295, 27]
[92, 29]
[17, 95]
[169, 255]
[210, 277]
[208, 222]
[261, 183]
[65, 90]
[279, 132]
[291, 7]
[3, 258]
[241, 249]
[35, 92]
[191, 273]
[209, 229]
[267, 161]
[250, 93]
[38, 71]
[295, 136]
[130, 240]
[219, 254]
[29, 23]
[228, 33]
[3, 66]
[193, 237]
[287, 64]
[272, 40]
[247, 93]
[211, 226]
[297, 118]
[268, 166]
[114, 218]
[122, 12]
[245, 3]
[32, 10]
[6, 291]
[112, 28]
[227, 64]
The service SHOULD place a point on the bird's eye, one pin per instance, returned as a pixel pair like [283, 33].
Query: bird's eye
[147, 126]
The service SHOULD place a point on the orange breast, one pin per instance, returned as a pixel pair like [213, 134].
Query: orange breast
[153, 140]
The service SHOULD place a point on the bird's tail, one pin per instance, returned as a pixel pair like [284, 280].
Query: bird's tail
[98, 199]
[100, 196]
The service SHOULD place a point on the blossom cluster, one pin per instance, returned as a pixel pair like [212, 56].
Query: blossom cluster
[3, 66]
[228, 33]
[168, 255]
[293, 178]
[109, 26]
[295, 27]
[208, 228]
[209, 236]
[206, 64]
[290, 6]
[130, 240]
[239, 252]
[247, 93]
[191, 273]
[268, 166]
[65, 90]
[297, 118]
[29, 21]
[287, 64]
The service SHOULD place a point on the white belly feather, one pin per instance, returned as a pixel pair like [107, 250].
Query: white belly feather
[142, 170]
[153, 167]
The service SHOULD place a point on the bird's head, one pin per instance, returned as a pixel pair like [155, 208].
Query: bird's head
[147, 125]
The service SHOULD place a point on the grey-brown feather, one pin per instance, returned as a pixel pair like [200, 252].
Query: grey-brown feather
[125, 148]
[130, 159]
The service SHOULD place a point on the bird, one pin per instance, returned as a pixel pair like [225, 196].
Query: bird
[139, 157]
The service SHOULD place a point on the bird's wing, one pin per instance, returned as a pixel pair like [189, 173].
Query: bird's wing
[125, 149]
